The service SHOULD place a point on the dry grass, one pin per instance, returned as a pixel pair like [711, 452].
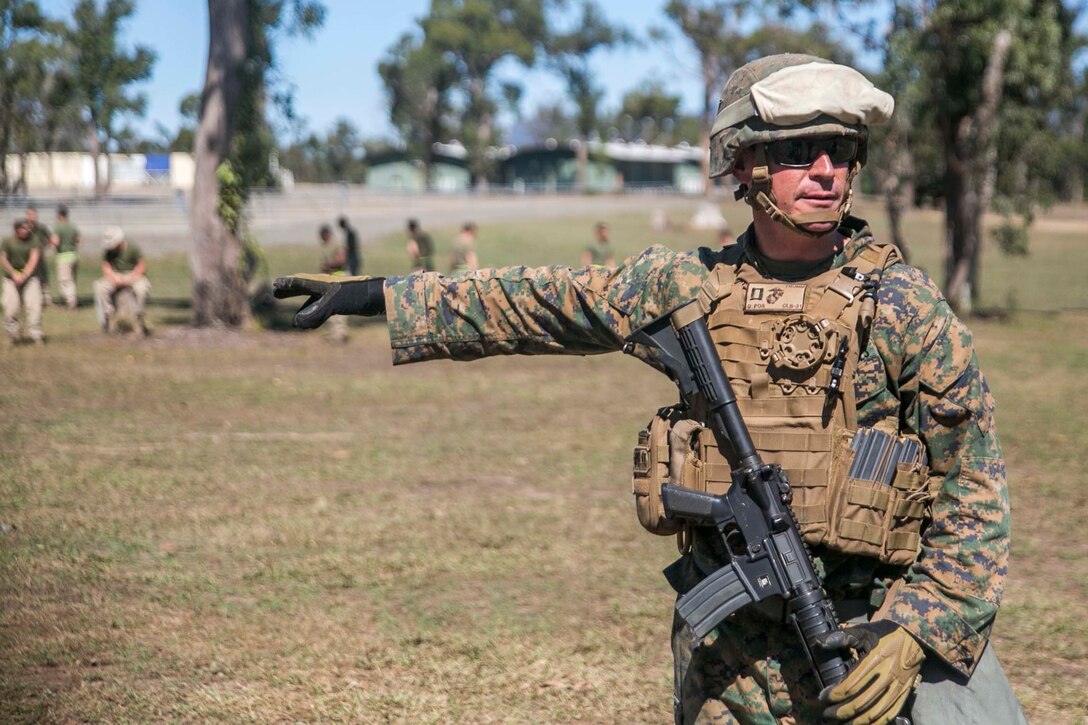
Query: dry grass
[262, 526]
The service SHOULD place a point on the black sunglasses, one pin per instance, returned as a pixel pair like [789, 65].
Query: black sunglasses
[802, 152]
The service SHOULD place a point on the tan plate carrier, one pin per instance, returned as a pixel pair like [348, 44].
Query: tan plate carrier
[780, 343]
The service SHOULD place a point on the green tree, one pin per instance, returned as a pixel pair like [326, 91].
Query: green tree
[344, 152]
[419, 80]
[707, 26]
[103, 74]
[656, 113]
[189, 110]
[651, 101]
[982, 82]
[233, 128]
[338, 156]
[306, 159]
[475, 35]
[772, 37]
[22, 70]
[547, 121]
[569, 54]
[985, 65]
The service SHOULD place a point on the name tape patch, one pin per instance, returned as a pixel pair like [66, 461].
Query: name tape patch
[775, 298]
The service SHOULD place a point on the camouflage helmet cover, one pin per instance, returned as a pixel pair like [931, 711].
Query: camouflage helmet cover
[751, 126]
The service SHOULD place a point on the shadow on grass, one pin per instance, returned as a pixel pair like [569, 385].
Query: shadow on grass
[275, 317]
[271, 315]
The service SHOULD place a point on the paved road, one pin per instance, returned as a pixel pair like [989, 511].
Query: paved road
[158, 220]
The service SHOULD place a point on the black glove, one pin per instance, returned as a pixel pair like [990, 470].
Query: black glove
[331, 294]
[878, 684]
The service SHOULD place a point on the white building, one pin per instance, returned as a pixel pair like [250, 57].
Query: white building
[74, 172]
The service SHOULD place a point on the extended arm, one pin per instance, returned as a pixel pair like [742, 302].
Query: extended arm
[513, 310]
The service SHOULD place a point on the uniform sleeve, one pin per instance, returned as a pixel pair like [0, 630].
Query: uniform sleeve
[951, 593]
[532, 311]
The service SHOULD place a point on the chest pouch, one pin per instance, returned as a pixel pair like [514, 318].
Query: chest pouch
[879, 495]
[663, 455]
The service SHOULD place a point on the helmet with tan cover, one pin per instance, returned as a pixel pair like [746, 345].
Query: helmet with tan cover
[792, 96]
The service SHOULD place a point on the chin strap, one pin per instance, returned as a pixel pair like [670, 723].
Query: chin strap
[759, 195]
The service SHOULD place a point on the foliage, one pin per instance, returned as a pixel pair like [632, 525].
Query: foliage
[649, 112]
[419, 81]
[569, 54]
[1012, 239]
[708, 27]
[189, 109]
[771, 38]
[474, 36]
[254, 141]
[33, 84]
[337, 156]
[103, 72]
[987, 101]
[550, 120]
[232, 197]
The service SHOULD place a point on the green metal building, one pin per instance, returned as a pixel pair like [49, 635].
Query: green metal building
[395, 171]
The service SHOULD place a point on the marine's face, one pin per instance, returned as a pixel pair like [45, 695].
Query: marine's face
[821, 186]
[22, 231]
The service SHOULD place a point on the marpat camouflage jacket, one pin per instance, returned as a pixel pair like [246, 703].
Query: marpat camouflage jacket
[920, 362]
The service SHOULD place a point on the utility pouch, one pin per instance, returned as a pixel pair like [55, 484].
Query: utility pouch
[662, 454]
[879, 495]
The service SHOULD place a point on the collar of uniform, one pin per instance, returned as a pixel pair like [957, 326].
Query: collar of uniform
[858, 237]
[778, 269]
[854, 230]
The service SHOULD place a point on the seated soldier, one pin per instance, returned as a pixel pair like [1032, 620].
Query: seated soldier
[123, 269]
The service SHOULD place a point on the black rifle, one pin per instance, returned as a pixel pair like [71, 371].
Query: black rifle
[767, 557]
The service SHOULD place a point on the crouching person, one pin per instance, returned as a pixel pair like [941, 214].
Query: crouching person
[120, 295]
[20, 256]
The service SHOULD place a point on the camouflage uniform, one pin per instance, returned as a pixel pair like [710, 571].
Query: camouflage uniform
[919, 364]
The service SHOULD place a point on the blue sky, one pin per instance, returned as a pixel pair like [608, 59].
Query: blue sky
[335, 74]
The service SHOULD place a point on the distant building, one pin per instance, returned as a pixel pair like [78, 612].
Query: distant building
[612, 166]
[395, 171]
[74, 171]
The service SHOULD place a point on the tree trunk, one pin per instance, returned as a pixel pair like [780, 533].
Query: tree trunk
[897, 183]
[1073, 188]
[434, 128]
[970, 156]
[219, 293]
[5, 138]
[709, 113]
[109, 173]
[92, 146]
[20, 183]
[961, 228]
[581, 168]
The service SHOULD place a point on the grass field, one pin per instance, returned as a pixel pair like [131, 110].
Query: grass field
[263, 526]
